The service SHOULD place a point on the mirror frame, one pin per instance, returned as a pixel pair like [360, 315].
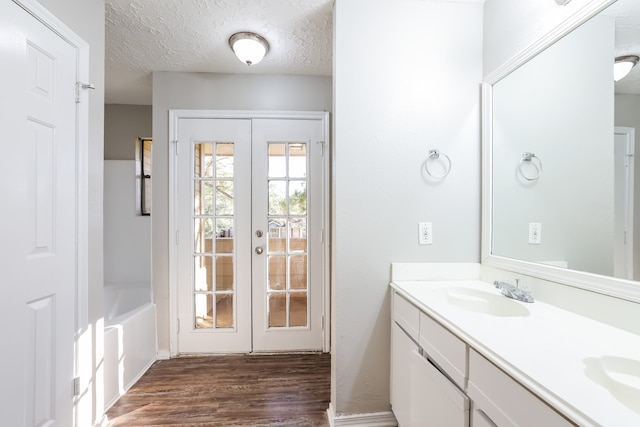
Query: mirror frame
[606, 285]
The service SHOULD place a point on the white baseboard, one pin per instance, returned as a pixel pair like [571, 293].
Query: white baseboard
[163, 355]
[372, 419]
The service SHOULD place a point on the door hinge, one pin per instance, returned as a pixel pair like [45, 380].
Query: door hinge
[178, 325]
[321, 145]
[323, 322]
[177, 237]
[76, 387]
[177, 150]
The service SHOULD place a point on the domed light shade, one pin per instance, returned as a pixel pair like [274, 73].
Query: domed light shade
[250, 48]
[623, 65]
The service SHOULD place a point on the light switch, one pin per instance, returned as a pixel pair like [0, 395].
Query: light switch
[535, 233]
[425, 233]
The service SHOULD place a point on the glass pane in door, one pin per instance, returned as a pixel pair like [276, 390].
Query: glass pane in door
[287, 290]
[214, 242]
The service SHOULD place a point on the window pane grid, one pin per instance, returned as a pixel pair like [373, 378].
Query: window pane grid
[287, 288]
[214, 242]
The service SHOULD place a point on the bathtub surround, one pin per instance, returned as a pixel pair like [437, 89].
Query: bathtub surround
[129, 336]
[127, 235]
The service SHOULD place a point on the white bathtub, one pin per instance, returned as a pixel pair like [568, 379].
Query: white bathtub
[129, 337]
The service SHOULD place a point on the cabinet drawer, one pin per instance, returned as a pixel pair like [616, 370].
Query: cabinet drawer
[406, 315]
[445, 349]
[504, 400]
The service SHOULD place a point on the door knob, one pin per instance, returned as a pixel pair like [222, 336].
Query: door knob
[259, 250]
[259, 233]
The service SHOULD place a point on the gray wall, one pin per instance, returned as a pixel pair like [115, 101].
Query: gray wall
[123, 124]
[87, 18]
[395, 100]
[213, 92]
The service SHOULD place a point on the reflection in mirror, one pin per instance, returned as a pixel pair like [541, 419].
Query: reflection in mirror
[571, 205]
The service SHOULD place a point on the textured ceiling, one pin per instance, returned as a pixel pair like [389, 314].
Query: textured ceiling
[627, 17]
[143, 36]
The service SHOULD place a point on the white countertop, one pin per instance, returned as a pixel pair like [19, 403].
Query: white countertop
[555, 353]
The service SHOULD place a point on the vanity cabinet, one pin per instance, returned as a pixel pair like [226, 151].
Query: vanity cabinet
[499, 400]
[436, 378]
[422, 393]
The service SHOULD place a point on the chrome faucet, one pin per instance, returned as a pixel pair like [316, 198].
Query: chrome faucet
[514, 292]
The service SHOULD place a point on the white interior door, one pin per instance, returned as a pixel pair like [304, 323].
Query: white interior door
[249, 216]
[38, 227]
[624, 147]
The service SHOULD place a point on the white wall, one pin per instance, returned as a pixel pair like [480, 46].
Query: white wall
[566, 119]
[406, 79]
[215, 92]
[127, 235]
[86, 18]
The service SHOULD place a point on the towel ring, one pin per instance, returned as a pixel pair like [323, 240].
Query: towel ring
[435, 155]
[537, 165]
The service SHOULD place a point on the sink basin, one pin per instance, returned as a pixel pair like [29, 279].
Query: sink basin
[484, 302]
[619, 375]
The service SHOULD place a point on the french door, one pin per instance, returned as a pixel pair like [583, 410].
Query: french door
[249, 212]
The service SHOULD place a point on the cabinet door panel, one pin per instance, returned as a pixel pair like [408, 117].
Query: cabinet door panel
[435, 400]
[401, 349]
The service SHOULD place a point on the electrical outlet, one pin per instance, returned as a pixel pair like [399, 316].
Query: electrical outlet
[535, 233]
[425, 233]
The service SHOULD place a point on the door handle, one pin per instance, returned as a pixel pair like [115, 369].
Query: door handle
[259, 250]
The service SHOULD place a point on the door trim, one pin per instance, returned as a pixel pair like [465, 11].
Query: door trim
[83, 345]
[629, 134]
[174, 118]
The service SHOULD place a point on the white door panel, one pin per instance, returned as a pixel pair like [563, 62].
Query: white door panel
[38, 227]
[214, 198]
[287, 202]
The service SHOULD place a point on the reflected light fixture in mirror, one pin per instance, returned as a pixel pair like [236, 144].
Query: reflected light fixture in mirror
[623, 65]
[250, 48]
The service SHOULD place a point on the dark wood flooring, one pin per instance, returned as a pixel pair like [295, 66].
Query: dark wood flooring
[229, 390]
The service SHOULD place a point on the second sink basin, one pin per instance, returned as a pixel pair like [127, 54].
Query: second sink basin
[484, 302]
[619, 375]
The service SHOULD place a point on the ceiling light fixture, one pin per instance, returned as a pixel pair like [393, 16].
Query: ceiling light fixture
[250, 48]
[562, 2]
[623, 65]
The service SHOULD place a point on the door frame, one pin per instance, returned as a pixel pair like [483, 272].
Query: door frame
[629, 134]
[83, 345]
[174, 119]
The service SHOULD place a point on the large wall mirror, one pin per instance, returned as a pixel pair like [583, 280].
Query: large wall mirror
[561, 190]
